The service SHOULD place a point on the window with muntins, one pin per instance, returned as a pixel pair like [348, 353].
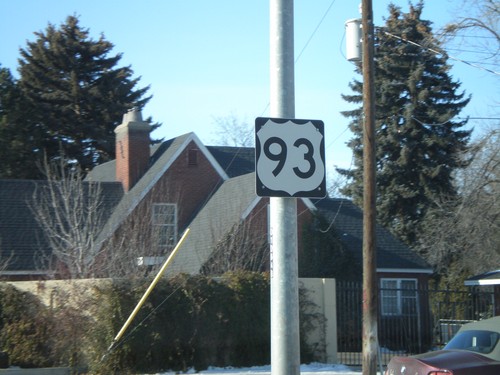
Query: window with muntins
[398, 297]
[165, 225]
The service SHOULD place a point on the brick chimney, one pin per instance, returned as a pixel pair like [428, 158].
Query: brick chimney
[132, 148]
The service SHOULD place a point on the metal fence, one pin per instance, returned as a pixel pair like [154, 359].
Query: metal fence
[411, 320]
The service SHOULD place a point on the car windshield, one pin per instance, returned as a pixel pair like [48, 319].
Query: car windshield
[474, 340]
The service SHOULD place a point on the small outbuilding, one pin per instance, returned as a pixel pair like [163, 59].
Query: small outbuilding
[490, 278]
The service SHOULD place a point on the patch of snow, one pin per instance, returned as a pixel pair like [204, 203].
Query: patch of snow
[312, 368]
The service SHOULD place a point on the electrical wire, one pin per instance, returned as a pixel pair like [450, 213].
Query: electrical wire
[128, 336]
[459, 118]
[470, 63]
[473, 36]
[440, 52]
[306, 45]
[434, 124]
[333, 219]
[314, 32]
[468, 51]
[338, 137]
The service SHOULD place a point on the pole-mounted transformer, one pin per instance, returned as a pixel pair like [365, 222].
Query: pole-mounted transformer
[353, 40]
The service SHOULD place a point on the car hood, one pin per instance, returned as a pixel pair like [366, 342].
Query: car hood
[459, 361]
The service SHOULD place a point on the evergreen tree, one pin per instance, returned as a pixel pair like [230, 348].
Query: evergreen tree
[17, 140]
[76, 93]
[418, 135]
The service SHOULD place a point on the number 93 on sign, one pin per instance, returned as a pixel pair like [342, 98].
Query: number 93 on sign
[289, 158]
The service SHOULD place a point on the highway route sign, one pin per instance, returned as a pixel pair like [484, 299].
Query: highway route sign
[290, 158]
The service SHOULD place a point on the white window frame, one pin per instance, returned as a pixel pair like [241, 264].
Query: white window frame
[399, 295]
[165, 222]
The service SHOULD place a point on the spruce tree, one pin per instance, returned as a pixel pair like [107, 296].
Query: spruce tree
[76, 93]
[17, 138]
[418, 134]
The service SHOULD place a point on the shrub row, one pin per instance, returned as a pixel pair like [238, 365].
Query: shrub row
[187, 322]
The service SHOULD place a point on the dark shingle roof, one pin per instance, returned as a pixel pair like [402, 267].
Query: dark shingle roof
[20, 236]
[347, 220]
[235, 161]
[105, 172]
[20, 233]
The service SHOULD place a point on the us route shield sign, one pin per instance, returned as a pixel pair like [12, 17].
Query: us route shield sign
[290, 158]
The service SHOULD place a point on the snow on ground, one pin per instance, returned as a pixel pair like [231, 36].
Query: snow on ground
[310, 369]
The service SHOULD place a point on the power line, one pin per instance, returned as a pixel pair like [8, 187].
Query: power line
[474, 36]
[483, 63]
[469, 51]
[128, 336]
[314, 32]
[305, 47]
[440, 52]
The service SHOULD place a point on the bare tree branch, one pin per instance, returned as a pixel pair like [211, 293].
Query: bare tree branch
[240, 249]
[233, 132]
[5, 259]
[479, 23]
[69, 212]
[465, 232]
[138, 236]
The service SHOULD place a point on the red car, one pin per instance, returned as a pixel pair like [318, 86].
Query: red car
[474, 350]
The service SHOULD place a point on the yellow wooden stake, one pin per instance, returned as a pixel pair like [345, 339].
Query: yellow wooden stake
[149, 290]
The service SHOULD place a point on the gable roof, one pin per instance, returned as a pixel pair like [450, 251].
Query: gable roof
[163, 156]
[235, 161]
[236, 198]
[20, 233]
[232, 202]
[392, 254]
[230, 205]
[225, 209]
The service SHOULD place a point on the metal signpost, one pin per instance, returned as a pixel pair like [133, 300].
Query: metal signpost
[290, 162]
[285, 339]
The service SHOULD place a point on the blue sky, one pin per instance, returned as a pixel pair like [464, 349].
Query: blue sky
[210, 59]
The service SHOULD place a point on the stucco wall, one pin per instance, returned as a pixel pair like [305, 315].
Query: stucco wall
[45, 290]
[322, 293]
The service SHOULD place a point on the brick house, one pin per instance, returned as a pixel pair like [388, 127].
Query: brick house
[180, 183]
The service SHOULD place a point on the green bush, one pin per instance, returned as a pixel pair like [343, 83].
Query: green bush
[26, 329]
[187, 322]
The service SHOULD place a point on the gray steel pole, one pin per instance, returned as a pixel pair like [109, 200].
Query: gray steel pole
[285, 340]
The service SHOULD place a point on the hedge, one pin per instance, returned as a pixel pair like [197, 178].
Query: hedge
[187, 322]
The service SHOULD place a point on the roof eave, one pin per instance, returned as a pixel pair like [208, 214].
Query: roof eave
[427, 271]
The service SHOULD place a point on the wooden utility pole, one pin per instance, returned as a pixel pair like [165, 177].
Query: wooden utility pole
[370, 287]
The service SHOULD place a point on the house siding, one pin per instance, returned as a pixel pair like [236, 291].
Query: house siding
[184, 183]
[188, 184]
[258, 219]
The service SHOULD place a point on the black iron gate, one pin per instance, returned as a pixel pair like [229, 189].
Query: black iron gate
[411, 320]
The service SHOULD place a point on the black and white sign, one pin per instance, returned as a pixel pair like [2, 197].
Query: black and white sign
[290, 157]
